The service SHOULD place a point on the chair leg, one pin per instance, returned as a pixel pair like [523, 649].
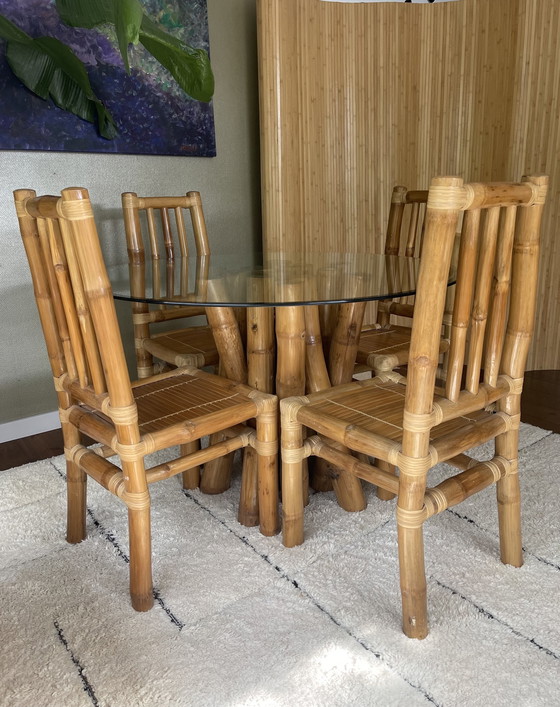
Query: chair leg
[137, 499]
[509, 502]
[76, 490]
[144, 359]
[216, 477]
[248, 513]
[411, 552]
[349, 492]
[191, 477]
[144, 369]
[413, 582]
[267, 470]
[139, 531]
[292, 484]
[509, 518]
[383, 494]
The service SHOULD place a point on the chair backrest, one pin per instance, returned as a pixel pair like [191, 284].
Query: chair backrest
[158, 243]
[405, 229]
[73, 293]
[406, 218]
[494, 306]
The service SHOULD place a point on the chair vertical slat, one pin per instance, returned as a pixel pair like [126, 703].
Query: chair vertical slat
[394, 224]
[89, 338]
[420, 231]
[201, 276]
[169, 252]
[167, 234]
[133, 230]
[479, 317]
[412, 230]
[184, 277]
[500, 295]
[71, 306]
[199, 224]
[156, 279]
[58, 306]
[153, 233]
[448, 311]
[169, 278]
[466, 271]
[181, 232]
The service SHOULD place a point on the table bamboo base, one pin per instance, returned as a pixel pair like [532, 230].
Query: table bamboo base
[294, 333]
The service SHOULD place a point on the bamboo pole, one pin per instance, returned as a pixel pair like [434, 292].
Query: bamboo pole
[77, 209]
[217, 474]
[524, 282]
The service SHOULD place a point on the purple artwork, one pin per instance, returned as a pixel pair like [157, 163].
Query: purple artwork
[152, 114]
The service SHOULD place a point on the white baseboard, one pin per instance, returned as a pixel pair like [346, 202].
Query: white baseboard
[29, 426]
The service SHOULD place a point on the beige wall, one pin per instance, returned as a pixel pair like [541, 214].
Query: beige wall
[229, 184]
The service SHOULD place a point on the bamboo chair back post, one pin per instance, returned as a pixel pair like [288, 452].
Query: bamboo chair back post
[82, 239]
[428, 311]
[57, 343]
[166, 241]
[121, 407]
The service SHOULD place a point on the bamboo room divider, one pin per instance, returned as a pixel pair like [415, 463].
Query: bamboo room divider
[356, 98]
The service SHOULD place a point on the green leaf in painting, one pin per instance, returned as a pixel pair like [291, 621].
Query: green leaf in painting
[49, 68]
[12, 33]
[87, 13]
[189, 67]
[128, 18]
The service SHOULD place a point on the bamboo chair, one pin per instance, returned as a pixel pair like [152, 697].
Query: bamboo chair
[384, 346]
[97, 398]
[190, 346]
[411, 423]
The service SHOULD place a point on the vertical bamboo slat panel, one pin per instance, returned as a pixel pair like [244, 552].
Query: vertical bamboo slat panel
[356, 98]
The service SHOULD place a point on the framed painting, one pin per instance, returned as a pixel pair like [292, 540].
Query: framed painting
[152, 114]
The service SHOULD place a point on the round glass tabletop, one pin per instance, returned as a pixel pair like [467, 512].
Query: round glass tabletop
[278, 279]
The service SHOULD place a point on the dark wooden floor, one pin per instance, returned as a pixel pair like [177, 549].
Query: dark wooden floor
[540, 406]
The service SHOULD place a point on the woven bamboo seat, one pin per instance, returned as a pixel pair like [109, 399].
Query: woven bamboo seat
[157, 225]
[132, 420]
[377, 406]
[411, 424]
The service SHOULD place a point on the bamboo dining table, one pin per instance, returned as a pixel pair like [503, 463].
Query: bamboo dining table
[285, 323]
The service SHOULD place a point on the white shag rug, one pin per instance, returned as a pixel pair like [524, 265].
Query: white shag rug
[240, 620]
